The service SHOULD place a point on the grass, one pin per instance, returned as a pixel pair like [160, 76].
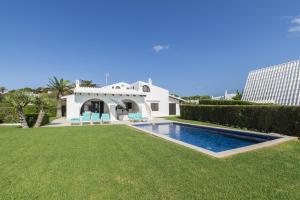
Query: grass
[118, 162]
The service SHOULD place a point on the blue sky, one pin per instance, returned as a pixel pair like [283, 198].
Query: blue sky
[189, 47]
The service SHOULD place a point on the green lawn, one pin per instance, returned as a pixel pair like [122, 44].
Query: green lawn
[118, 162]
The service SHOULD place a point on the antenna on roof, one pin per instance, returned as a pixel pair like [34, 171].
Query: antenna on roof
[107, 75]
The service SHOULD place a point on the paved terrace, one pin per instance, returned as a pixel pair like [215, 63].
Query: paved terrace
[64, 122]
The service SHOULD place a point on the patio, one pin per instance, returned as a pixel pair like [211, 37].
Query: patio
[64, 122]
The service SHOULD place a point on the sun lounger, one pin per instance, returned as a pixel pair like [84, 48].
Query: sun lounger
[140, 117]
[95, 118]
[75, 121]
[105, 118]
[85, 118]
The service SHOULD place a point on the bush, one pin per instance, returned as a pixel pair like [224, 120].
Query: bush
[31, 109]
[51, 111]
[31, 119]
[264, 118]
[224, 102]
[8, 115]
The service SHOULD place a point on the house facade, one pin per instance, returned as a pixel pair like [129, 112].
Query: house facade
[227, 96]
[122, 98]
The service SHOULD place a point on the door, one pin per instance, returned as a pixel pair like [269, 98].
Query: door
[172, 108]
[95, 107]
[101, 107]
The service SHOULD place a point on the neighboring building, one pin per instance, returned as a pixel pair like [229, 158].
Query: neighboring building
[122, 98]
[227, 96]
[193, 101]
[277, 84]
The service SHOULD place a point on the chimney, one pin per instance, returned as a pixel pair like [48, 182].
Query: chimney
[77, 83]
[150, 81]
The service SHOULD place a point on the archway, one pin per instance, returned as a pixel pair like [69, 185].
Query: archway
[129, 106]
[94, 106]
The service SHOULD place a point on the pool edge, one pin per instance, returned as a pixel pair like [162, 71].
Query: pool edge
[227, 153]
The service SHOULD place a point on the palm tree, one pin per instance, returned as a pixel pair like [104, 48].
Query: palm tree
[18, 100]
[61, 87]
[87, 83]
[42, 102]
[238, 95]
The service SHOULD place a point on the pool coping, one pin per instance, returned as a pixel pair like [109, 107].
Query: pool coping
[223, 154]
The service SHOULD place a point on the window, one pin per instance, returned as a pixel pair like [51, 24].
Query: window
[146, 88]
[154, 106]
[118, 87]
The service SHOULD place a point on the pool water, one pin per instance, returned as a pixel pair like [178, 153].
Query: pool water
[216, 140]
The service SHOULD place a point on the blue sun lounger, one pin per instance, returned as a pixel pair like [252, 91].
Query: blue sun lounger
[95, 118]
[75, 121]
[105, 118]
[85, 118]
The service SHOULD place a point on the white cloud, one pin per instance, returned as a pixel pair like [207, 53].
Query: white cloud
[159, 47]
[296, 20]
[295, 28]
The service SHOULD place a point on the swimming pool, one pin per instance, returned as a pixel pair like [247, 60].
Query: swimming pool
[214, 140]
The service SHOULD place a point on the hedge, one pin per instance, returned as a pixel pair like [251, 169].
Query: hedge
[224, 102]
[263, 118]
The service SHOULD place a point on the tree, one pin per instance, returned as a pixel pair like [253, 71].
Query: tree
[18, 100]
[27, 89]
[42, 103]
[40, 90]
[198, 97]
[2, 89]
[60, 87]
[204, 97]
[87, 83]
[238, 96]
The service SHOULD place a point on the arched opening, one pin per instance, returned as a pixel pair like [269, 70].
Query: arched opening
[94, 106]
[129, 106]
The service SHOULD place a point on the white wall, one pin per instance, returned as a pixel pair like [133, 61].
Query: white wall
[75, 102]
[156, 95]
[160, 96]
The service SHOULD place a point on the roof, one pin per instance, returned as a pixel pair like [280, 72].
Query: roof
[178, 98]
[117, 84]
[108, 91]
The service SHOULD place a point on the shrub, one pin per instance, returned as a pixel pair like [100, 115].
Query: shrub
[264, 118]
[31, 119]
[224, 102]
[8, 115]
[31, 109]
[51, 111]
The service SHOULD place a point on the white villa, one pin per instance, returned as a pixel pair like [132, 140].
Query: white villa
[227, 96]
[119, 99]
